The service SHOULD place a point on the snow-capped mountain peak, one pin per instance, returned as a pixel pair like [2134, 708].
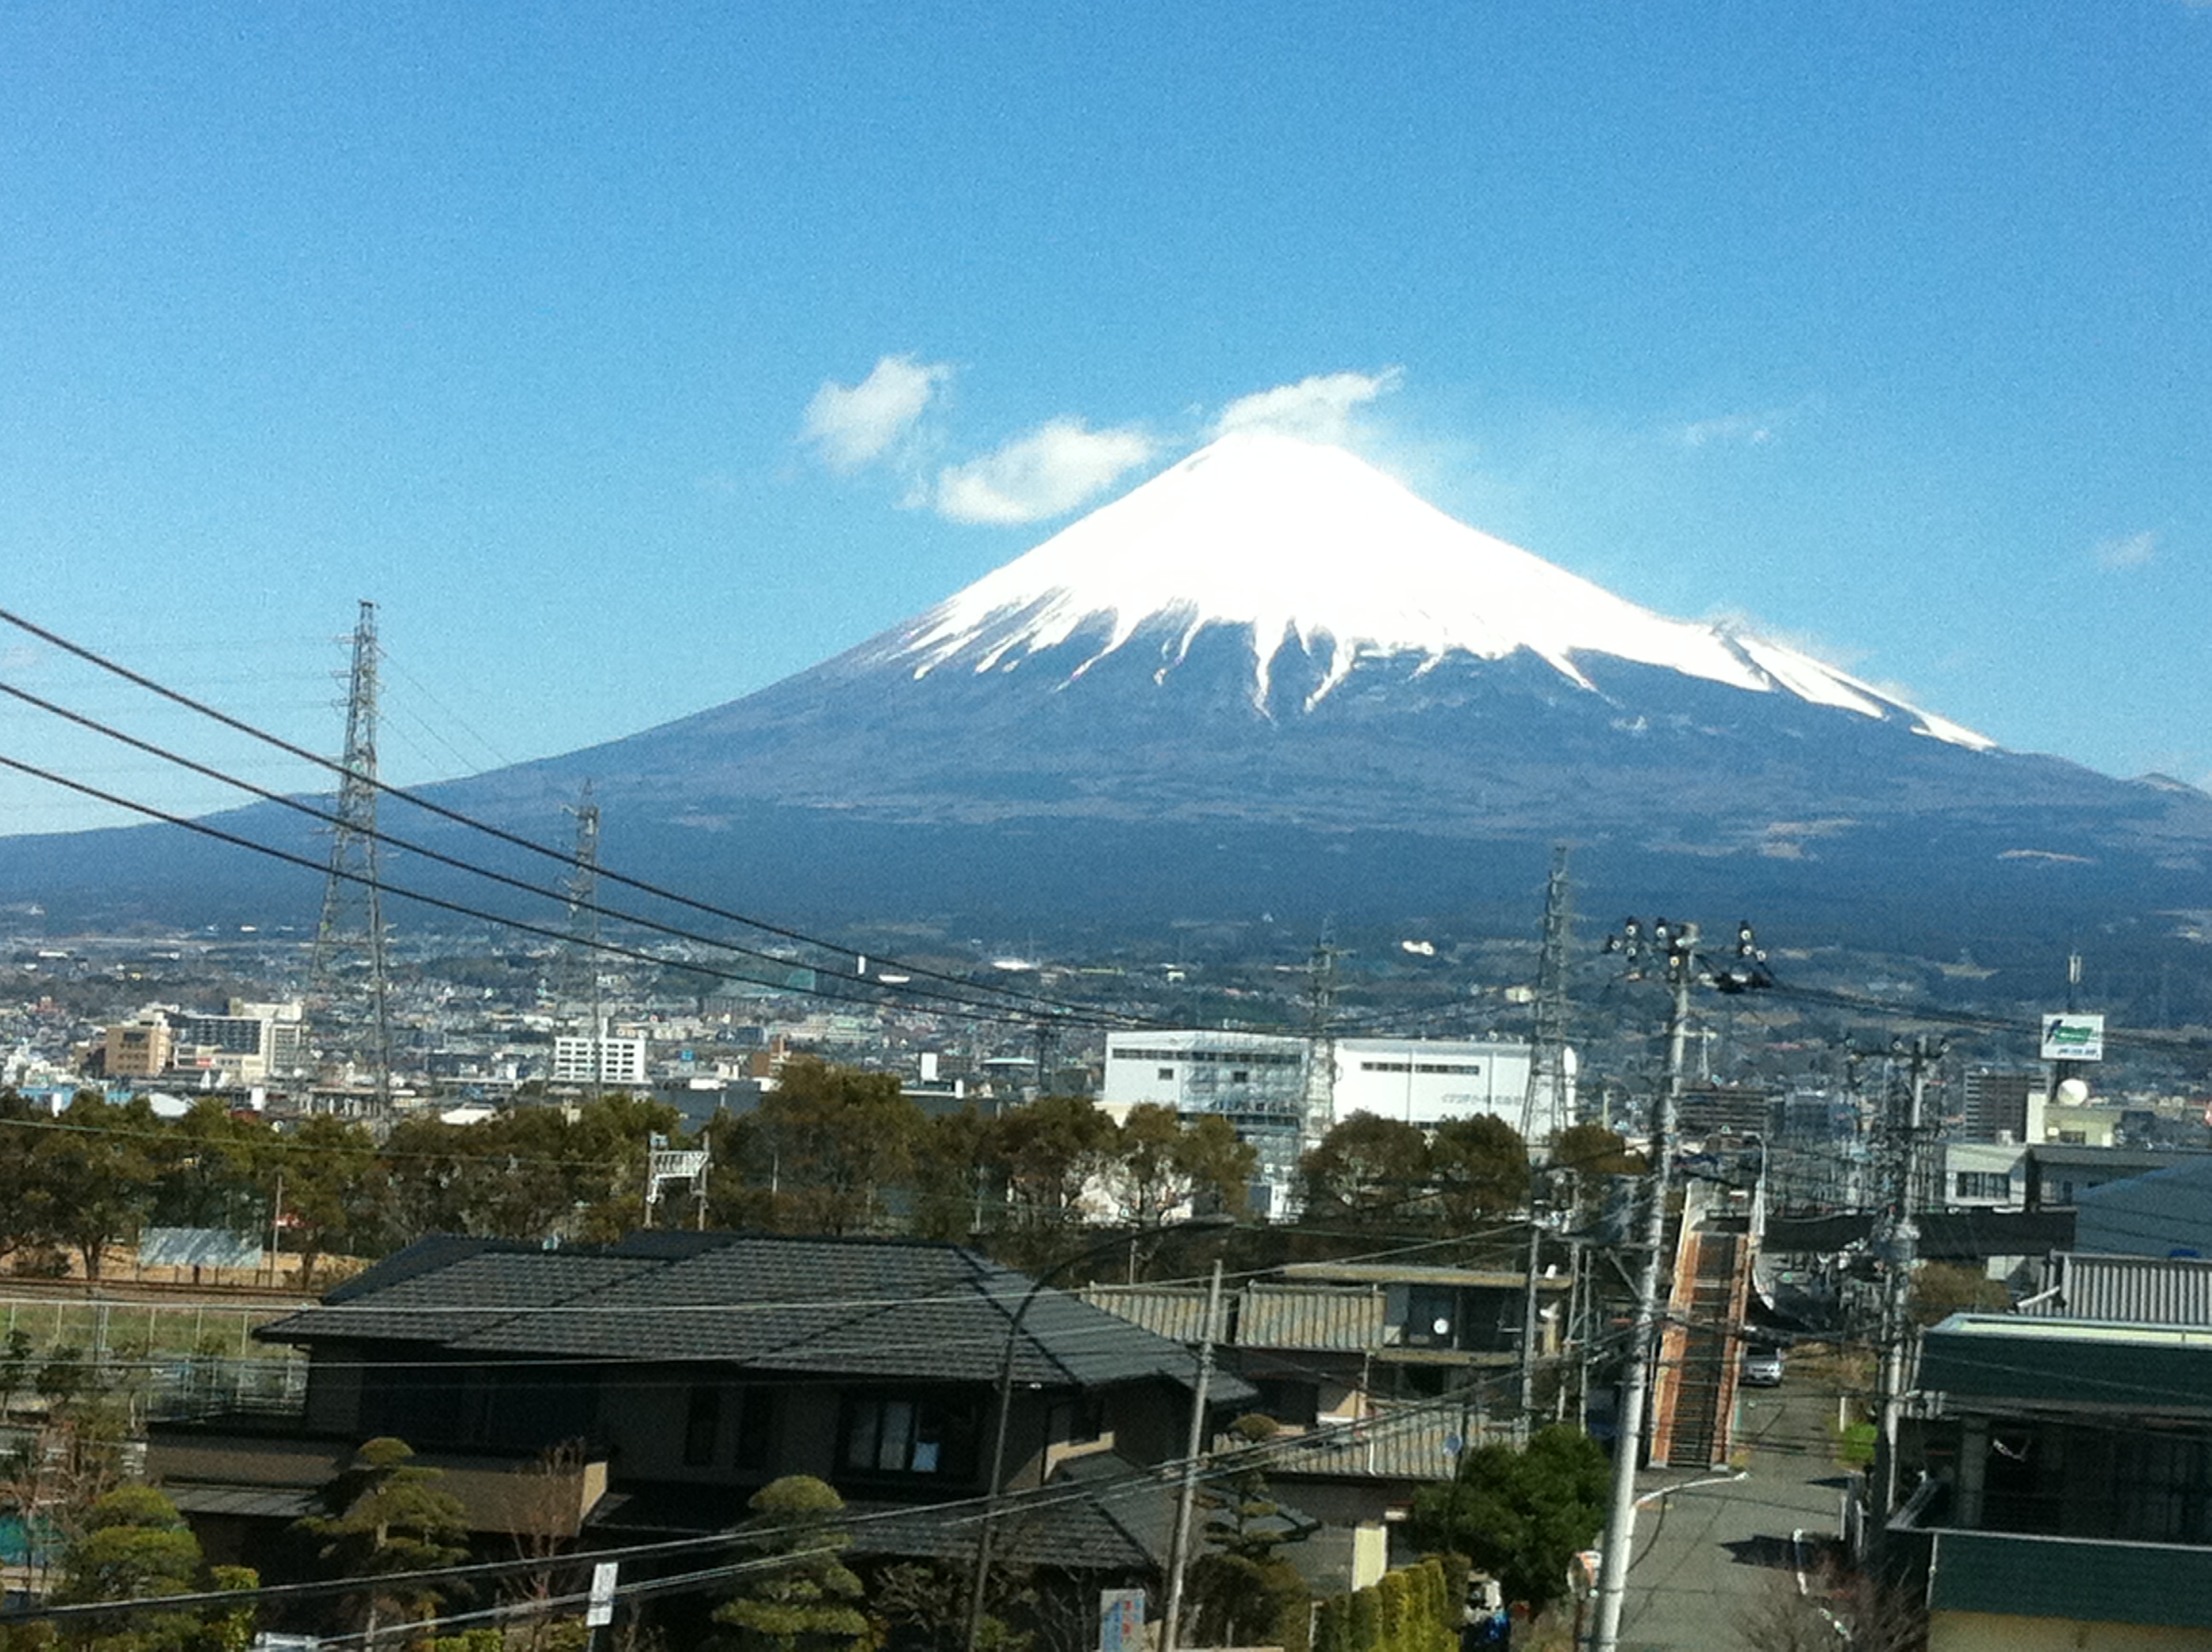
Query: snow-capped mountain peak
[1310, 546]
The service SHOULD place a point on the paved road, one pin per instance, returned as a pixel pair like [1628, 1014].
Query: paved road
[1707, 1554]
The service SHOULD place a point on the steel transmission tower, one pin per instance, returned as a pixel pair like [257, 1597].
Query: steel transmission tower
[352, 927]
[1318, 1105]
[1548, 1042]
[582, 886]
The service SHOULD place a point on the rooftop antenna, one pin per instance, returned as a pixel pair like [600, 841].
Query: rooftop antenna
[352, 924]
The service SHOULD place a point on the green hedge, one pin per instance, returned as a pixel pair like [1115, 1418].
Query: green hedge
[1411, 1610]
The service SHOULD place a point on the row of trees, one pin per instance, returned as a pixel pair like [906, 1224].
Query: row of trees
[830, 1150]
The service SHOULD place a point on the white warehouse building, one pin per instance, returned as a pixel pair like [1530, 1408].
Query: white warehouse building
[1257, 1081]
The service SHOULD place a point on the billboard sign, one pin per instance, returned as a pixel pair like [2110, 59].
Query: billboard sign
[2071, 1037]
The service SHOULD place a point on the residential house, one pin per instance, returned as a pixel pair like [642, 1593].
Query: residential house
[646, 1389]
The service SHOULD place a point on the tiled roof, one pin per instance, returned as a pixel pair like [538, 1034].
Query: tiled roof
[792, 1306]
[1412, 1443]
[1311, 1316]
[1103, 1519]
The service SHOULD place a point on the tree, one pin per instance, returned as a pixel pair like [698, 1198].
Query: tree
[1054, 1149]
[135, 1546]
[1368, 1171]
[212, 1176]
[1165, 1163]
[388, 1514]
[336, 1190]
[1244, 1591]
[98, 1175]
[1481, 1167]
[1520, 1515]
[810, 1601]
[26, 1202]
[1589, 1156]
[831, 1139]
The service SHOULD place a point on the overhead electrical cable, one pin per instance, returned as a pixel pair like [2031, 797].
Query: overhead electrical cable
[886, 990]
[511, 839]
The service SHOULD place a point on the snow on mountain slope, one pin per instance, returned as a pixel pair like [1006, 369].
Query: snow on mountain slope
[1309, 546]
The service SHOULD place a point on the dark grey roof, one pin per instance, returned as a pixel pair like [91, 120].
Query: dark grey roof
[792, 1306]
[1984, 1362]
[1102, 1522]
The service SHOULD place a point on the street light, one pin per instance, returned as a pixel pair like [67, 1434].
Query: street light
[986, 1533]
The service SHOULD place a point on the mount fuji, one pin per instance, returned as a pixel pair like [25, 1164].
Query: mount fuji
[1271, 678]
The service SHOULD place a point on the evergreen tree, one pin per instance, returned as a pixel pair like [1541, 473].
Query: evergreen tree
[1520, 1515]
[1244, 1591]
[810, 1601]
[388, 1514]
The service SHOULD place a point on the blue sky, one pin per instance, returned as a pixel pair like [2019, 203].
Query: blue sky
[633, 357]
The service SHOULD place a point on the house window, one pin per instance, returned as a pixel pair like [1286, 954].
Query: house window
[702, 1419]
[900, 1435]
[1078, 1421]
[1240, 1076]
[756, 1428]
[1431, 1316]
[1985, 1184]
[1166, 1073]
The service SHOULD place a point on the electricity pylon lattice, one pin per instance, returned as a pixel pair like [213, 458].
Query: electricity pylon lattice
[1545, 1101]
[1316, 1112]
[349, 980]
[579, 984]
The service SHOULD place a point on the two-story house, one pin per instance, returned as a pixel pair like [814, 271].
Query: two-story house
[646, 1389]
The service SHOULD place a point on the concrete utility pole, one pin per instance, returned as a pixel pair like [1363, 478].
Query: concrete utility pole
[1899, 1242]
[1179, 1547]
[1529, 1319]
[1677, 945]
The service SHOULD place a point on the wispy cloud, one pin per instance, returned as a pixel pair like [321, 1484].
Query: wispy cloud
[1048, 472]
[1750, 427]
[1318, 409]
[1751, 430]
[2126, 550]
[853, 425]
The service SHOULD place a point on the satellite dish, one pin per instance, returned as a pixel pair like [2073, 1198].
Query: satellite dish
[2073, 1092]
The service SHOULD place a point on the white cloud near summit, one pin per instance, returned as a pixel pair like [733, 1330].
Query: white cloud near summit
[1318, 409]
[854, 425]
[1048, 472]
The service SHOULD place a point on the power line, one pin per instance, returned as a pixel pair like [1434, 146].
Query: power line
[457, 817]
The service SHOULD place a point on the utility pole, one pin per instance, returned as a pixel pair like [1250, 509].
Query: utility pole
[1179, 1547]
[1530, 1319]
[1674, 947]
[1544, 1107]
[353, 906]
[1896, 1246]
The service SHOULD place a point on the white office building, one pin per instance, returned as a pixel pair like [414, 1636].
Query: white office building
[579, 1061]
